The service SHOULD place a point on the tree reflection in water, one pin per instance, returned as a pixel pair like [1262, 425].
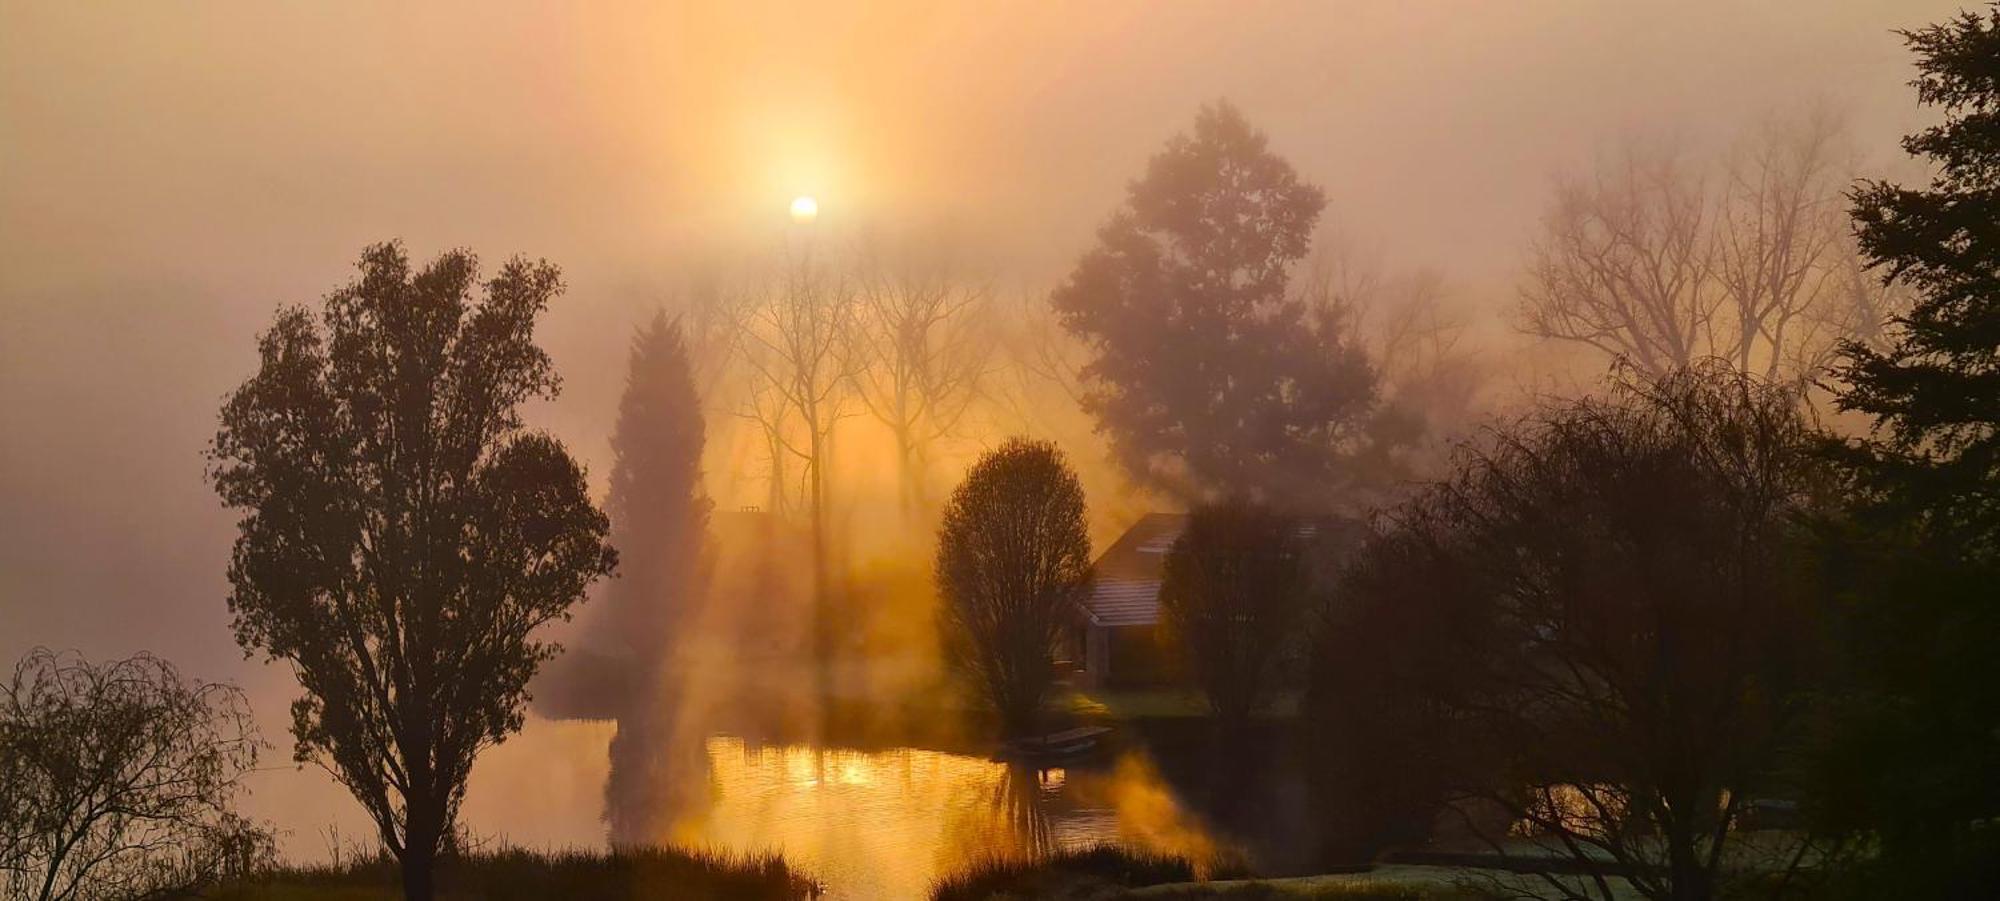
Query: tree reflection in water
[886, 823]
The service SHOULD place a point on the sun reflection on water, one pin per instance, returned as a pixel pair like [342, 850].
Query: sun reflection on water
[885, 824]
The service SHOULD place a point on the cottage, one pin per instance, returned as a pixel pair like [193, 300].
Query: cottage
[1117, 640]
[1117, 631]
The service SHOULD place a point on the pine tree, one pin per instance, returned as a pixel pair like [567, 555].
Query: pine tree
[659, 516]
[1917, 728]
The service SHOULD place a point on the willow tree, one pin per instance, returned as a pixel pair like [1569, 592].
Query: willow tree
[120, 779]
[403, 534]
[1599, 625]
[1013, 557]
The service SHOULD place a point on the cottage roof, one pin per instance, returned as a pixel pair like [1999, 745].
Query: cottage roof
[1128, 574]
[1127, 591]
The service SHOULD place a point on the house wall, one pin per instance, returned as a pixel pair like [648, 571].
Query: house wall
[1135, 658]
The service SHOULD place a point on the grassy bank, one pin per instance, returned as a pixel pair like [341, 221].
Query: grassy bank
[1099, 872]
[1110, 874]
[1393, 882]
[519, 875]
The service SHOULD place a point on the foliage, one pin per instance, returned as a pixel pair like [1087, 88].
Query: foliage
[1013, 559]
[1600, 615]
[524, 875]
[1232, 597]
[659, 516]
[658, 512]
[1914, 730]
[403, 535]
[118, 780]
[1208, 375]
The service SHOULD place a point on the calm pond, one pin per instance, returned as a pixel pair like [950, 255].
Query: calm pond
[886, 823]
[879, 821]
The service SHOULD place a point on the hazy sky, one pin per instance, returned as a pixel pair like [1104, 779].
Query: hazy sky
[169, 173]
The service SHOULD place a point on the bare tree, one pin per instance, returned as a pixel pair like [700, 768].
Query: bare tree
[925, 351]
[118, 780]
[1430, 375]
[1655, 263]
[1013, 556]
[798, 344]
[1623, 265]
[1780, 239]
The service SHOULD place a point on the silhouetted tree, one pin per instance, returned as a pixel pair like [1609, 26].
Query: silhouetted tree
[118, 781]
[403, 535]
[1013, 558]
[798, 340]
[659, 517]
[1605, 615]
[1232, 600]
[1915, 734]
[925, 354]
[1208, 376]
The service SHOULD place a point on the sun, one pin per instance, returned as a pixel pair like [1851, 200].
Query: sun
[804, 209]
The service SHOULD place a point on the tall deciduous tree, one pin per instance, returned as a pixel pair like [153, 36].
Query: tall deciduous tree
[925, 348]
[798, 343]
[1918, 729]
[1208, 375]
[1013, 558]
[1232, 598]
[403, 534]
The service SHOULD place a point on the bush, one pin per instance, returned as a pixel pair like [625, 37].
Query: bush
[1079, 873]
[119, 780]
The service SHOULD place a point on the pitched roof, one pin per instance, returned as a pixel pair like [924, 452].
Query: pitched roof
[1127, 591]
[1128, 574]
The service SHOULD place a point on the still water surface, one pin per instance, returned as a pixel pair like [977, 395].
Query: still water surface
[886, 823]
[869, 823]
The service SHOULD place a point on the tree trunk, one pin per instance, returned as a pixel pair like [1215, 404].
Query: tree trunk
[1685, 869]
[419, 862]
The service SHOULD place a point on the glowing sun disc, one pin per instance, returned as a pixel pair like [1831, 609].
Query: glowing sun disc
[804, 209]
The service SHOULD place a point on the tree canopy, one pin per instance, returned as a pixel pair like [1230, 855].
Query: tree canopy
[1013, 557]
[1598, 625]
[1209, 376]
[1916, 726]
[403, 534]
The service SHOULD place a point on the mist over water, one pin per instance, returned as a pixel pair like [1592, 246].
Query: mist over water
[169, 176]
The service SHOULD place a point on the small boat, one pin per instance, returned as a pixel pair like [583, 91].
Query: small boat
[1054, 747]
